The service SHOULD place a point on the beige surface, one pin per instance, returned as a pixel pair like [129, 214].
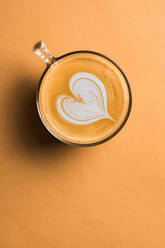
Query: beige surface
[56, 196]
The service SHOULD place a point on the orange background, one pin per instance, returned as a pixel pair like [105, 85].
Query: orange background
[57, 196]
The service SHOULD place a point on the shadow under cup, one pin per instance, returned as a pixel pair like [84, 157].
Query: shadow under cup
[119, 124]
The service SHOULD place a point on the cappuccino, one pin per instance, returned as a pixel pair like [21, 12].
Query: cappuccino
[84, 98]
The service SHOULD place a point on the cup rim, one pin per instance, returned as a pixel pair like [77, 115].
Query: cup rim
[97, 142]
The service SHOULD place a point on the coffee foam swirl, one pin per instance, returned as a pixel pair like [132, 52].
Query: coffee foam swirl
[89, 103]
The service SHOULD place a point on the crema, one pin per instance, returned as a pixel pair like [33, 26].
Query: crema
[84, 98]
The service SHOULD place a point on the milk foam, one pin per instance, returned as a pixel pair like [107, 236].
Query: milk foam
[89, 103]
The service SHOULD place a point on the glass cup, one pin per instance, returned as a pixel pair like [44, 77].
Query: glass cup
[41, 50]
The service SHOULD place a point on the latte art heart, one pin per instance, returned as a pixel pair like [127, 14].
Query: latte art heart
[89, 103]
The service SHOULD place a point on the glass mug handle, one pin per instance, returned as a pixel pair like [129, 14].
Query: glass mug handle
[41, 50]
